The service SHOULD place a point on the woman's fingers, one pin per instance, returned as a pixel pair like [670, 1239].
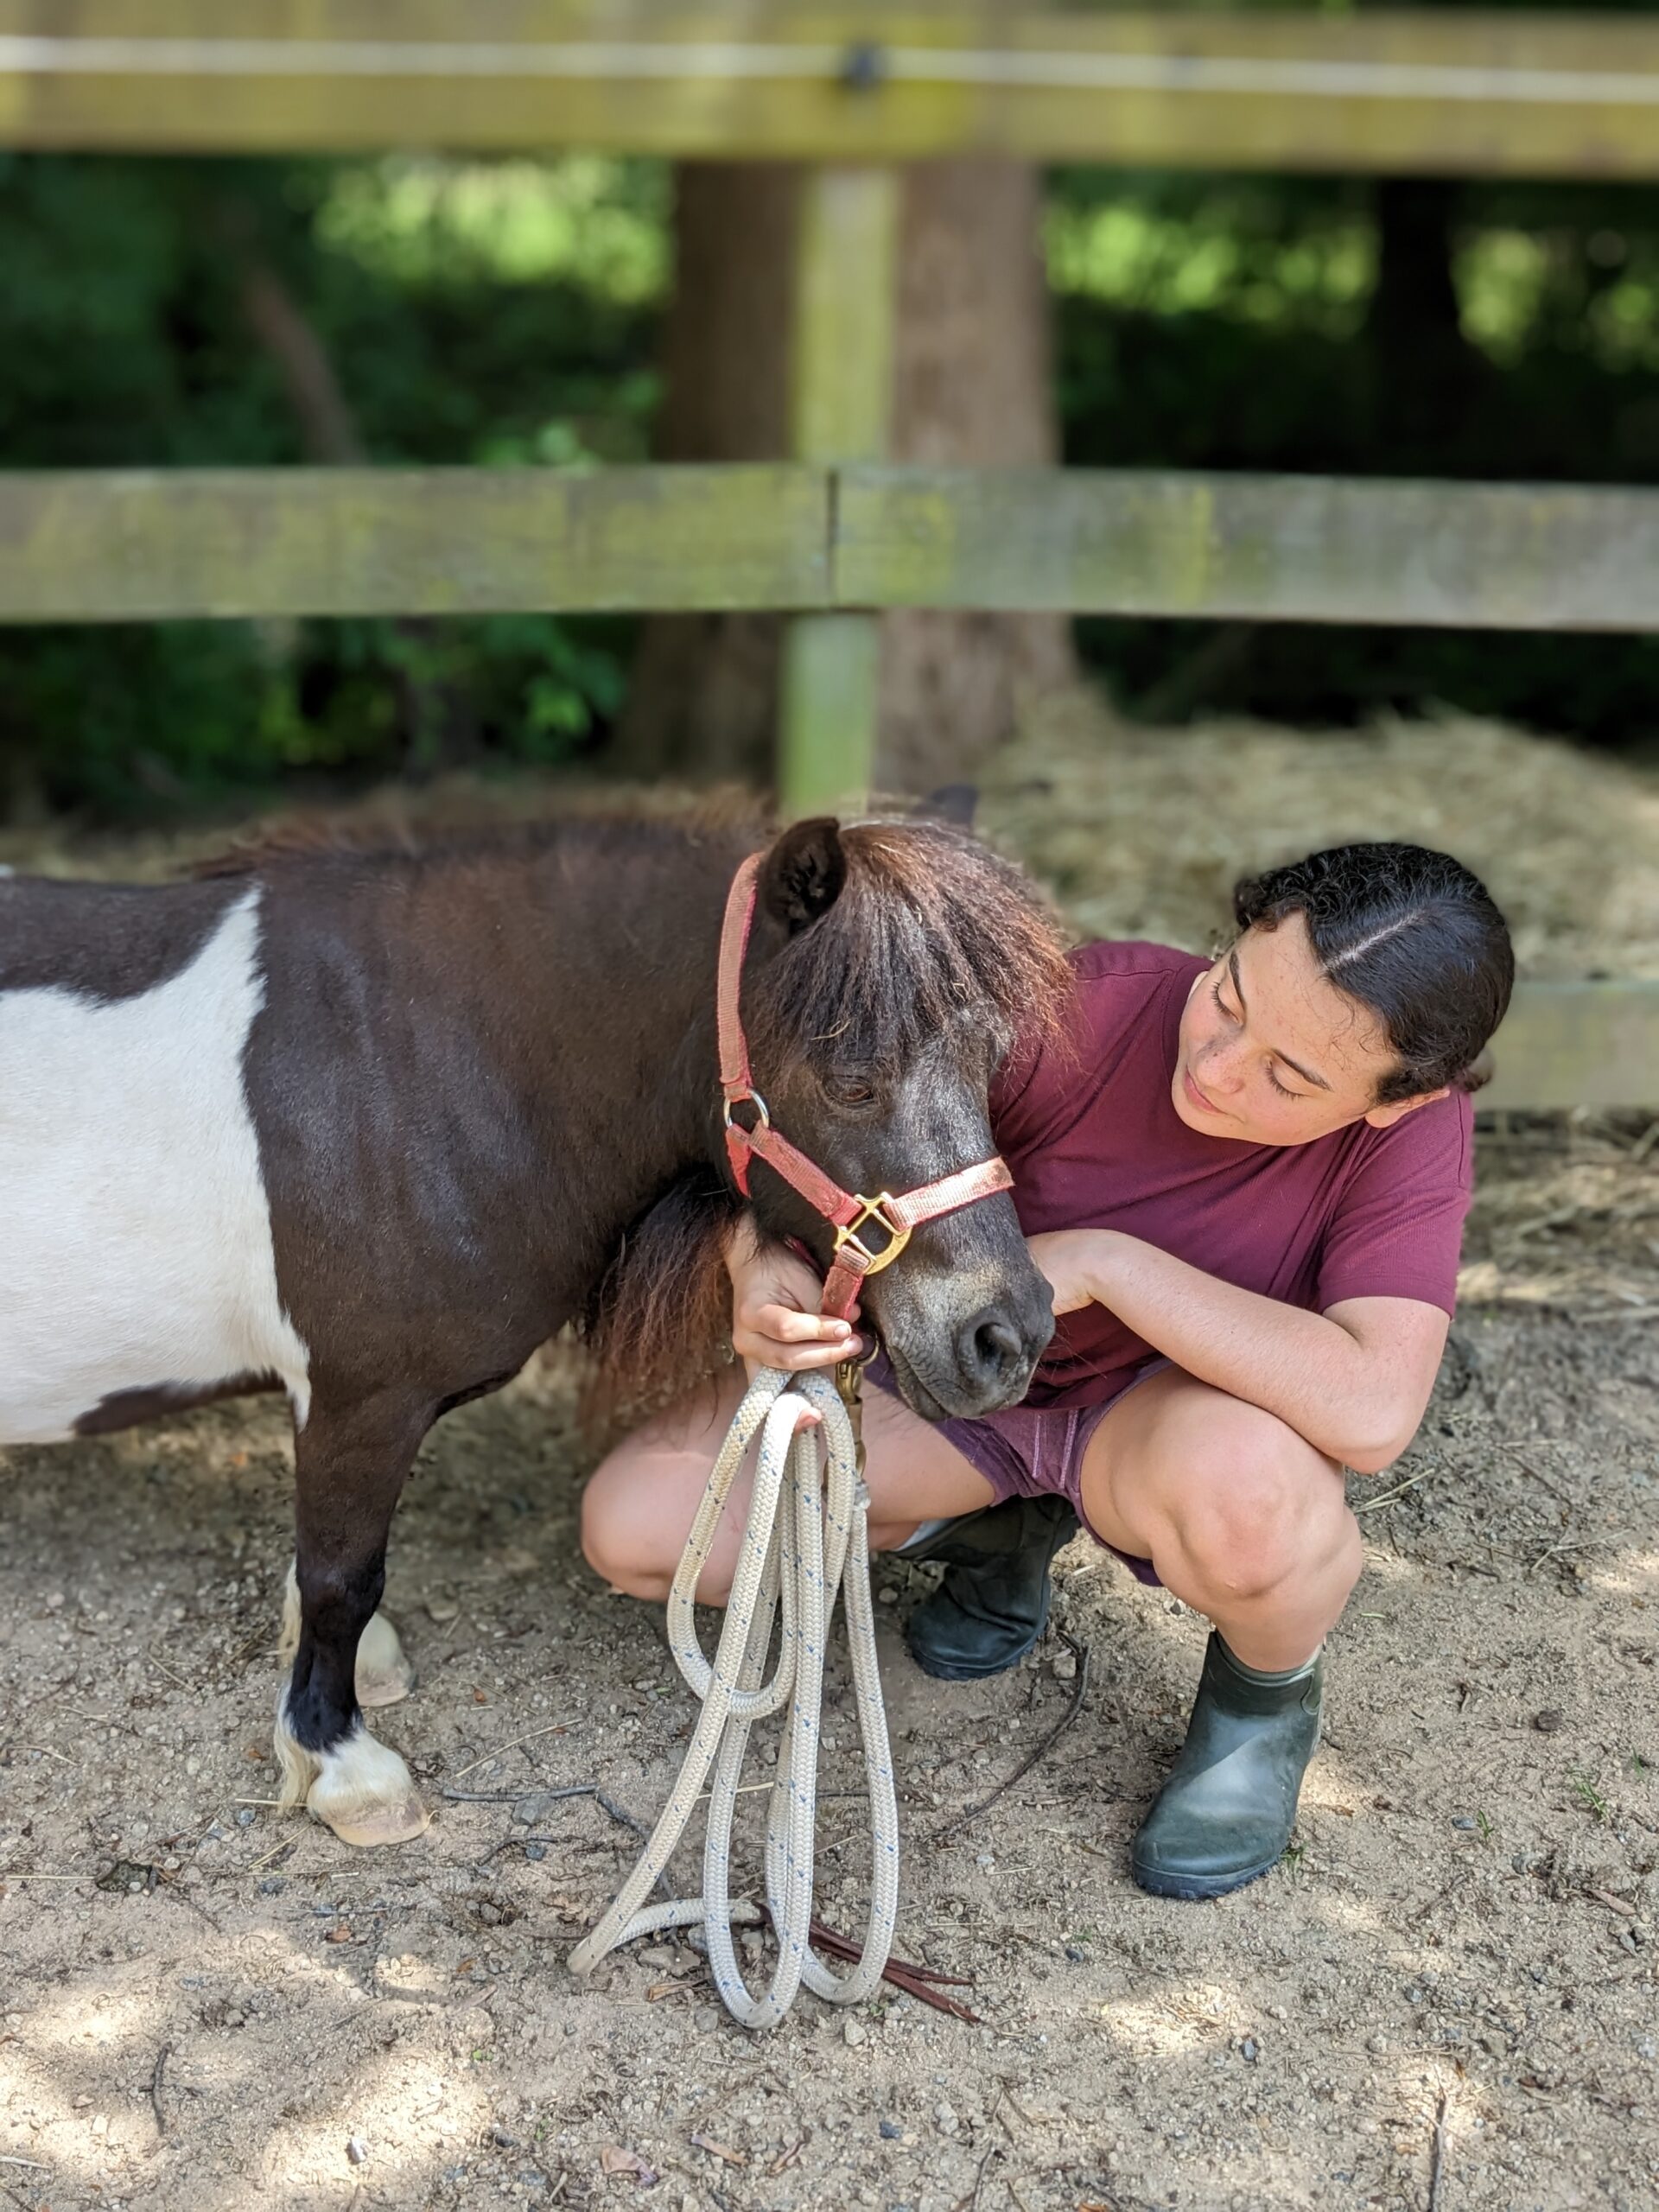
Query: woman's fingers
[779, 1336]
[785, 1325]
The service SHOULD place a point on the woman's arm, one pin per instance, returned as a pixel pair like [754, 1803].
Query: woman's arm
[1353, 1380]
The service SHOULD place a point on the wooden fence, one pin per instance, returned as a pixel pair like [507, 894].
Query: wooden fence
[854, 90]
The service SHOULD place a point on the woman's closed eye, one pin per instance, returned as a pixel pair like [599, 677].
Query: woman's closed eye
[1222, 1007]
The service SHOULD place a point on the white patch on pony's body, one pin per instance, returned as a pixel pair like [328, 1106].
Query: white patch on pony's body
[134, 1233]
[360, 1788]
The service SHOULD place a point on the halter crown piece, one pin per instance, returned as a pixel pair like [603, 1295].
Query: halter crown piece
[847, 1212]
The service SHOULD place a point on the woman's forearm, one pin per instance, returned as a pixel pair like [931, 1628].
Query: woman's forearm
[1310, 1371]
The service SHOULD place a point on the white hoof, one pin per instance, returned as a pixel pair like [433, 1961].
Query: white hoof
[383, 1674]
[360, 1788]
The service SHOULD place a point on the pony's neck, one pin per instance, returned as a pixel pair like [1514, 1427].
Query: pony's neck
[633, 998]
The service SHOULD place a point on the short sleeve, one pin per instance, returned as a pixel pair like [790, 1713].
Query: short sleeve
[1397, 1231]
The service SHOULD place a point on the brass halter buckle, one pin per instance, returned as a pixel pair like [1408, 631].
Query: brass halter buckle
[877, 1211]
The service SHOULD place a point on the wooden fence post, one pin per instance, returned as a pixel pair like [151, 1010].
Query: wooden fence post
[841, 402]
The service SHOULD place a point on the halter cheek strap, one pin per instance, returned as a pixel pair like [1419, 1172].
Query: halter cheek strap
[847, 1212]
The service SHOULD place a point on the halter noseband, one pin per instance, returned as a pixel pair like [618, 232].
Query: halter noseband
[846, 1210]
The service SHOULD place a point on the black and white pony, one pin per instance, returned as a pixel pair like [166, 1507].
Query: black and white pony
[368, 1126]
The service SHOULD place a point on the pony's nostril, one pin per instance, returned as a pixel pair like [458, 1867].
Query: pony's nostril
[995, 1348]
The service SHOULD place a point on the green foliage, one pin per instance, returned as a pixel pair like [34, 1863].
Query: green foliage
[1241, 323]
[489, 316]
[506, 314]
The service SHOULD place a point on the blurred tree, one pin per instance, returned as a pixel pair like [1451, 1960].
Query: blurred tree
[973, 385]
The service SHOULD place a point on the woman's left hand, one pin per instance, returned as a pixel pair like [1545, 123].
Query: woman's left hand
[1068, 1258]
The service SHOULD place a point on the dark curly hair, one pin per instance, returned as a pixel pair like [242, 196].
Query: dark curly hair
[1411, 934]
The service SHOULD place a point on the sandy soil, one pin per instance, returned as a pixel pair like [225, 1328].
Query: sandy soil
[205, 2005]
[206, 2002]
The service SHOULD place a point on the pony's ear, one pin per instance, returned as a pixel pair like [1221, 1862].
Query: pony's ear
[803, 873]
[951, 802]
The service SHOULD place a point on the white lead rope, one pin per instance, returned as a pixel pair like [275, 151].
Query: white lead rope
[806, 1538]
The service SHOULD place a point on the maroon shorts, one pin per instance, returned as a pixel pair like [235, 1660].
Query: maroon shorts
[1033, 1451]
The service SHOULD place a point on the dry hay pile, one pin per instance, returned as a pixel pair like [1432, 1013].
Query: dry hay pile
[1142, 832]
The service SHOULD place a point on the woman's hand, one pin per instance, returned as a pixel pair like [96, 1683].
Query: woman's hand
[1069, 1258]
[775, 1316]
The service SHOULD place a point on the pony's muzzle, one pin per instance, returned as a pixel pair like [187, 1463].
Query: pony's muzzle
[995, 1353]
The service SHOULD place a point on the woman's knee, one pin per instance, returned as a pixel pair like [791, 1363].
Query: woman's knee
[620, 1541]
[1258, 1507]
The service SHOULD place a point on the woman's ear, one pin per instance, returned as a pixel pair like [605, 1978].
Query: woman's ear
[1384, 1117]
[802, 875]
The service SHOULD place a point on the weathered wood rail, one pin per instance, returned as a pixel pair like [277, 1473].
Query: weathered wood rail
[1446, 93]
[156, 545]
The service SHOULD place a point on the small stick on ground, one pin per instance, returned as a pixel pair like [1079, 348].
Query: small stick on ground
[1375, 1504]
[578, 1789]
[1080, 1652]
[553, 1728]
[155, 2089]
[1437, 2166]
[996, 2151]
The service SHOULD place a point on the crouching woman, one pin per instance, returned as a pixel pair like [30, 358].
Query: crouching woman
[1246, 1180]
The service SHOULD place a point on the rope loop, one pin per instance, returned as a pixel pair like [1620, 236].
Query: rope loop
[806, 1539]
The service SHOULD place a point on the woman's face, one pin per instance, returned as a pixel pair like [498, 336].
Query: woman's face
[1272, 1053]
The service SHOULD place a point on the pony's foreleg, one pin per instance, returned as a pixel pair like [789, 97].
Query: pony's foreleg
[350, 1463]
[384, 1674]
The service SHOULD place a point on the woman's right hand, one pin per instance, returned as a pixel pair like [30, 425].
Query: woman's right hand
[775, 1316]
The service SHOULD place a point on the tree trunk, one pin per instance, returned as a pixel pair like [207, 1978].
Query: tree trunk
[702, 700]
[1427, 379]
[974, 388]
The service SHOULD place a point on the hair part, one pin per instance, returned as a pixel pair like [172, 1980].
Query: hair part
[1412, 935]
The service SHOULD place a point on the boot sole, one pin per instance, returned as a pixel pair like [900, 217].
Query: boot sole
[1198, 1888]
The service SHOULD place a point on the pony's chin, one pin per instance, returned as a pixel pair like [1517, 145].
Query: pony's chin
[921, 1400]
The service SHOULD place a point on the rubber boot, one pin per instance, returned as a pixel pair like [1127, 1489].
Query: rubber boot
[1225, 1815]
[993, 1604]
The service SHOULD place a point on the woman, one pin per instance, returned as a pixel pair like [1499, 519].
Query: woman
[1246, 1180]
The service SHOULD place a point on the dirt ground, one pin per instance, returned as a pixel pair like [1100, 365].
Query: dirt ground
[207, 2005]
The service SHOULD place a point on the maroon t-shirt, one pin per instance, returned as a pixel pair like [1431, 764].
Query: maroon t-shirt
[1094, 1140]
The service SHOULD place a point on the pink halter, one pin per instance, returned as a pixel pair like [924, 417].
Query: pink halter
[846, 1212]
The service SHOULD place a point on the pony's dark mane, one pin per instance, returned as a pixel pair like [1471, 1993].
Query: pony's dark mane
[393, 841]
[932, 938]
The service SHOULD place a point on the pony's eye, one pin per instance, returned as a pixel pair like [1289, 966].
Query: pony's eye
[848, 1091]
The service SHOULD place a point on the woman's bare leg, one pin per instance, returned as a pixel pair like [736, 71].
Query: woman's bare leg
[638, 1509]
[1241, 1516]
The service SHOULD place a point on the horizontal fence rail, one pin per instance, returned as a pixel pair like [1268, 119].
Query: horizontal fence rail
[1438, 93]
[167, 544]
[1574, 1044]
[175, 543]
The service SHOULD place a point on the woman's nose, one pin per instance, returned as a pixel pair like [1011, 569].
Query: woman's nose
[1218, 1069]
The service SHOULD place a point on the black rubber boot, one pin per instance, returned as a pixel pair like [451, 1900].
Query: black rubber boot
[993, 1604]
[1225, 1815]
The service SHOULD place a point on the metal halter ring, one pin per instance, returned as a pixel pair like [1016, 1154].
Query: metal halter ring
[876, 1209]
[748, 1099]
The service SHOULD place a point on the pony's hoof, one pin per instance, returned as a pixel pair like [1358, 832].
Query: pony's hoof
[365, 1793]
[384, 1675]
[399, 1823]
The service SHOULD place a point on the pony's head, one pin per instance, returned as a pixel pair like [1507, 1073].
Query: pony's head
[890, 965]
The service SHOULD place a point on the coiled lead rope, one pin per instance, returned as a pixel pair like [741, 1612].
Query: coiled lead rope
[806, 1538]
